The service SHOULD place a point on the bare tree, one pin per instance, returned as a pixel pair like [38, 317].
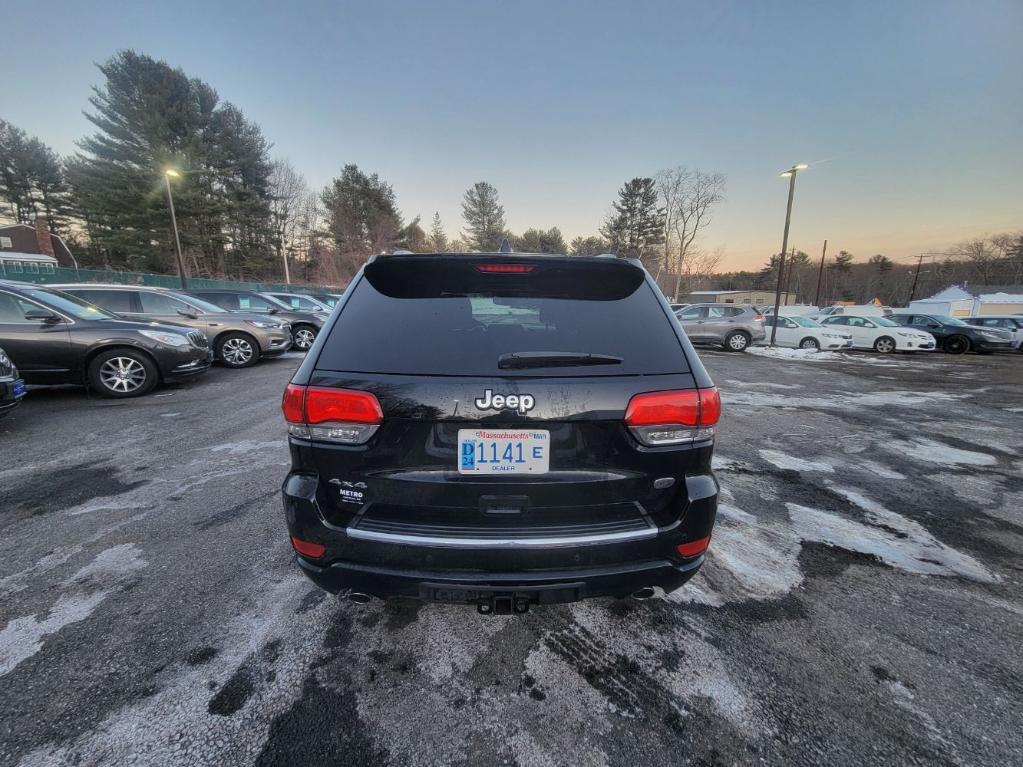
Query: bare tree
[288, 194]
[687, 196]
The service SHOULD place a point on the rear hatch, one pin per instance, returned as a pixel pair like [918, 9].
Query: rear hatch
[503, 384]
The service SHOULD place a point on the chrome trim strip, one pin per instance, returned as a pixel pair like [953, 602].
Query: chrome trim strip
[501, 543]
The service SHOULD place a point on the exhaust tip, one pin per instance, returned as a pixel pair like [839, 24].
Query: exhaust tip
[644, 593]
[359, 598]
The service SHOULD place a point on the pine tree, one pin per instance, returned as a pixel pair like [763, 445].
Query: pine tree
[32, 178]
[438, 237]
[149, 117]
[540, 241]
[362, 214]
[634, 228]
[484, 217]
[589, 246]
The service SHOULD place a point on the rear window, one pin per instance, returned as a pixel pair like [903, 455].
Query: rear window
[447, 319]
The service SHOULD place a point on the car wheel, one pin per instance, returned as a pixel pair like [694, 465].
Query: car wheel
[736, 342]
[237, 350]
[810, 343]
[122, 373]
[304, 337]
[956, 345]
[884, 345]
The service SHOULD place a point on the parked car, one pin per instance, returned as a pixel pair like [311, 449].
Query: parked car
[501, 431]
[955, 336]
[1011, 323]
[57, 338]
[327, 299]
[12, 387]
[881, 334]
[729, 326]
[857, 310]
[803, 333]
[238, 339]
[304, 325]
[299, 302]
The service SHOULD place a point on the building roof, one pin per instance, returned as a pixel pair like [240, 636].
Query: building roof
[1001, 298]
[953, 293]
[12, 255]
[27, 239]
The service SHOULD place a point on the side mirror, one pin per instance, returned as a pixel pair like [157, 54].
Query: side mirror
[190, 315]
[272, 310]
[43, 316]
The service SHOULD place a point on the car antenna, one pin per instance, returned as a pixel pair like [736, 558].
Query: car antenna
[505, 246]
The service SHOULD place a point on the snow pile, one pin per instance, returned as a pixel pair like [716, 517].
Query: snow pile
[778, 352]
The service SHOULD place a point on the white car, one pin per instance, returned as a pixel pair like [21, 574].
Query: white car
[804, 333]
[881, 334]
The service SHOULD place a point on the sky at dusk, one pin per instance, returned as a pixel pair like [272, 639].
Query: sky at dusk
[910, 113]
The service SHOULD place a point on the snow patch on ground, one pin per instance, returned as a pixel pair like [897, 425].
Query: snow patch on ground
[931, 451]
[842, 400]
[785, 461]
[249, 446]
[892, 538]
[784, 353]
[23, 637]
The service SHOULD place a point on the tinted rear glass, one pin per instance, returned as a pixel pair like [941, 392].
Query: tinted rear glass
[413, 330]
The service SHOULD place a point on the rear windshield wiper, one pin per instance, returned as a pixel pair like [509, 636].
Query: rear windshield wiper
[519, 360]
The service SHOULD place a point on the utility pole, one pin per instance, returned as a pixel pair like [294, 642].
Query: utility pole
[820, 276]
[791, 173]
[916, 277]
[174, 222]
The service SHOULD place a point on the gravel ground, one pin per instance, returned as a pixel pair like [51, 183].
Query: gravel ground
[861, 603]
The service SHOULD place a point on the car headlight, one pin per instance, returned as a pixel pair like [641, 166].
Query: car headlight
[263, 324]
[906, 335]
[170, 339]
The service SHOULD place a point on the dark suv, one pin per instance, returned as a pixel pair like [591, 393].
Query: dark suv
[501, 431]
[304, 325]
[955, 336]
[57, 338]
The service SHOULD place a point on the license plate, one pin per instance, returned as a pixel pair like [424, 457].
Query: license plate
[19, 389]
[503, 451]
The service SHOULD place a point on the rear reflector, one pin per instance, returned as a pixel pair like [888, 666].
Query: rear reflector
[692, 548]
[504, 268]
[674, 417]
[308, 549]
[320, 413]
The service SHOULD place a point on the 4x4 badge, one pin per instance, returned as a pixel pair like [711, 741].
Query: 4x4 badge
[490, 401]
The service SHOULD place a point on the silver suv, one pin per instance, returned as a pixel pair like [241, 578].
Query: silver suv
[733, 327]
[238, 340]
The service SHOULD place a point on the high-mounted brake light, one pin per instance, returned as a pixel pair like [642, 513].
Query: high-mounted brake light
[674, 417]
[504, 268]
[331, 415]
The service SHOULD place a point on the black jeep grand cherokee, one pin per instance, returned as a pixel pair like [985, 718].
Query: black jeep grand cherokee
[501, 431]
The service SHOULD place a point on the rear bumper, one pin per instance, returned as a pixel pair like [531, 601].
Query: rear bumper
[468, 570]
[542, 587]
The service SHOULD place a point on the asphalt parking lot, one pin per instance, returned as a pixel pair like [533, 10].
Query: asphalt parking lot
[861, 604]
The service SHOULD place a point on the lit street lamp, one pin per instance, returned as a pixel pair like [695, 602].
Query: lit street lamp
[167, 176]
[791, 173]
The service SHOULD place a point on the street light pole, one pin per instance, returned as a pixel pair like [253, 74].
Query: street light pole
[791, 173]
[820, 276]
[174, 222]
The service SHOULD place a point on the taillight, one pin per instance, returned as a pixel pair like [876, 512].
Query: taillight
[320, 413]
[694, 548]
[504, 268]
[758, 317]
[674, 417]
[308, 548]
